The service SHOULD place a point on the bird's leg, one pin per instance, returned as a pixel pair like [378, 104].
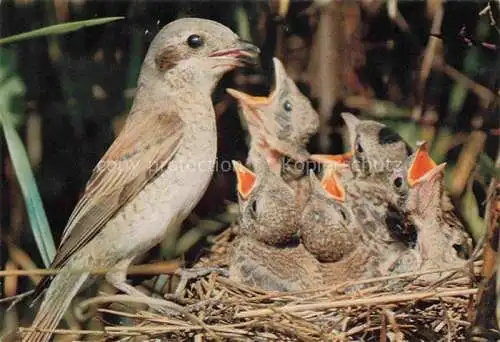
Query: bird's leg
[194, 273]
[190, 274]
[118, 279]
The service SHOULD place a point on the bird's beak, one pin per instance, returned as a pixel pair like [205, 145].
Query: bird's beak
[245, 179]
[249, 105]
[342, 159]
[249, 53]
[422, 166]
[287, 148]
[280, 78]
[243, 51]
[247, 100]
[351, 122]
[331, 184]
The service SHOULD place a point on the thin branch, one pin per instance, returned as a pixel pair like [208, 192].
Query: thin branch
[157, 268]
[388, 299]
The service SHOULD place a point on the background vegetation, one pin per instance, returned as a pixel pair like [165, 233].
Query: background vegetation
[429, 69]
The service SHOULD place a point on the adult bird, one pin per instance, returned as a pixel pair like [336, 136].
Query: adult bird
[155, 171]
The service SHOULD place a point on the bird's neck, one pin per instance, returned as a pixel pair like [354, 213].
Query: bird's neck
[172, 94]
[181, 79]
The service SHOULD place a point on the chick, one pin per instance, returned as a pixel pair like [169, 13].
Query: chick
[442, 241]
[280, 126]
[266, 202]
[266, 253]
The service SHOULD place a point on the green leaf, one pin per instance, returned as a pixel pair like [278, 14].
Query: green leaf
[57, 29]
[12, 87]
[470, 211]
[441, 144]
[34, 206]
[243, 23]
[488, 166]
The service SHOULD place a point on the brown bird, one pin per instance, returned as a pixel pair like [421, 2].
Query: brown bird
[376, 152]
[346, 232]
[265, 254]
[330, 233]
[328, 229]
[280, 124]
[286, 268]
[442, 241]
[267, 209]
[155, 171]
[376, 149]
[373, 205]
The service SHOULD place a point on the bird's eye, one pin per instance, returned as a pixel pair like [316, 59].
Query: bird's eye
[287, 106]
[461, 250]
[316, 216]
[359, 148]
[253, 209]
[398, 182]
[195, 41]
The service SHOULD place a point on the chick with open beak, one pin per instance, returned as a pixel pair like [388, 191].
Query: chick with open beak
[442, 241]
[280, 124]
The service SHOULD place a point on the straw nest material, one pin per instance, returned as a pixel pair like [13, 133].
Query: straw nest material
[220, 309]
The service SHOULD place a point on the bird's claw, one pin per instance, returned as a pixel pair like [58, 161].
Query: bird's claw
[166, 310]
[194, 273]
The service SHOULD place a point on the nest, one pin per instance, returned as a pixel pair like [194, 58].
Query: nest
[221, 309]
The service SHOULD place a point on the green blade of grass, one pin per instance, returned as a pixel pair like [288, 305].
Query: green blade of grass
[34, 206]
[57, 29]
[488, 166]
[470, 212]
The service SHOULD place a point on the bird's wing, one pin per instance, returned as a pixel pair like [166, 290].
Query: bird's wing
[138, 154]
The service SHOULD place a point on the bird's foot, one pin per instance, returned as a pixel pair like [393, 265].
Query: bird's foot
[193, 273]
[167, 308]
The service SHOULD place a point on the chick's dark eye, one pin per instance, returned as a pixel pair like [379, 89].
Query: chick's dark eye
[316, 216]
[344, 215]
[195, 41]
[287, 106]
[359, 148]
[398, 182]
[253, 209]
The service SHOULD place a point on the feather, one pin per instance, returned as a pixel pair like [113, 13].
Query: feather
[139, 153]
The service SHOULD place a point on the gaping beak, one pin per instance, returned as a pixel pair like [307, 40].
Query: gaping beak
[341, 159]
[247, 100]
[245, 178]
[422, 166]
[249, 106]
[331, 184]
[280, 78]
[245, 52]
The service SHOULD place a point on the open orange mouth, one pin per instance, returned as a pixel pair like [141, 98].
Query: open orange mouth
[421, 165]
[250, 104]
[344, 158]
[332, 185]
[246, 179]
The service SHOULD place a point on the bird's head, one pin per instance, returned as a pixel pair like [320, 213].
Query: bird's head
[267, 205]
[425, 183]
[376, 148]
[198, 50]
[285, 119]
[326, 222]
[432, 209]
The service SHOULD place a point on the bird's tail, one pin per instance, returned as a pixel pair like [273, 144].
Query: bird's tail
[57, 299]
